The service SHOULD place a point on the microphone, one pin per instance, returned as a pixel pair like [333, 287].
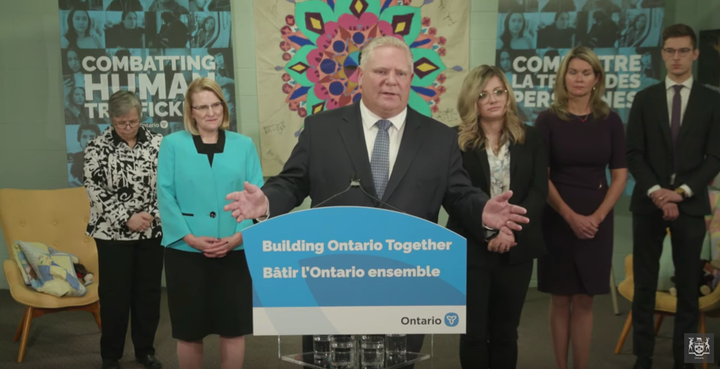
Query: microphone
[339, 193]
[355, 182]
[359, 185]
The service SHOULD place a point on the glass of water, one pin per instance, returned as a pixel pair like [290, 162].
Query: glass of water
[396, 344]
[343, 351]
[373, 350]
[395, 360]
[321, 349]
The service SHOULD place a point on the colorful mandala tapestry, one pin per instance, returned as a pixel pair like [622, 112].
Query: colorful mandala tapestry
[320, 43]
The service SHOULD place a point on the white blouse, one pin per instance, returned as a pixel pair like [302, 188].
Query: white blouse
[499, 169]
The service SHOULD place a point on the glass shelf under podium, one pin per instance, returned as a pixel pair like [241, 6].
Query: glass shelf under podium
[307, 360]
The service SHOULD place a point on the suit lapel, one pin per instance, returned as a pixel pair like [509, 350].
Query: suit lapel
[409, 147]
[661, 97]
[515, 152]
[353, 136]
[693, 106]
[482, 158]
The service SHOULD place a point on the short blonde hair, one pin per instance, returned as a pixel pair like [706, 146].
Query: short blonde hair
[392, 41]
[599, 107]
[200, 85]
[471, 134]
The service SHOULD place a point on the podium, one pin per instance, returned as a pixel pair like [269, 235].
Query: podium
[355, 271]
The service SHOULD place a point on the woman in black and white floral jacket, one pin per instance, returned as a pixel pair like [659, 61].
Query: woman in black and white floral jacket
[120, 173]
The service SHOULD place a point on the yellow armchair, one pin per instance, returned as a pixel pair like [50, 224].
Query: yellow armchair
[57, 218]
[665, 304]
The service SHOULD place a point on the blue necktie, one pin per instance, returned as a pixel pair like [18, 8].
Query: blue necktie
[380, 160]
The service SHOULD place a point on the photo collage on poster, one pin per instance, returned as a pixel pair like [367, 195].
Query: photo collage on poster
[534, 36]
[153, 47]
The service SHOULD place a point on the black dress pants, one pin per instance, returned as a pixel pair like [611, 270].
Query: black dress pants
[687, 234]
[495, 297]
[130, 276]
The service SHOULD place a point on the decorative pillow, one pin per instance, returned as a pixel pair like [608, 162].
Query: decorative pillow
[55, 271]
[27, 272]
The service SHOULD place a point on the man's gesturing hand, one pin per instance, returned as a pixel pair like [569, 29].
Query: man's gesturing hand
[500, 213]
[248, 204]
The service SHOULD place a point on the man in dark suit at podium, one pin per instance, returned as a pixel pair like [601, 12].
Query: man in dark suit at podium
[402, 159]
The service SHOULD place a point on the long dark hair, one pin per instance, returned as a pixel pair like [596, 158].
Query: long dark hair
[65, 67]
[506, 37]
[71, 35]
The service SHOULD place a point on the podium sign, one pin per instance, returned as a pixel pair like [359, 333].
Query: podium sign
[355, 270]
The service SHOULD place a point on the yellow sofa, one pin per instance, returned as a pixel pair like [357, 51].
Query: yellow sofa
[57, 218]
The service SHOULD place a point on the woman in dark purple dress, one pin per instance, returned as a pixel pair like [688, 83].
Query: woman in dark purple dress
[583, 138]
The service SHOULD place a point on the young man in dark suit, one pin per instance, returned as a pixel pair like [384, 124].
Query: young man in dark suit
[406, 160]
[673, 151]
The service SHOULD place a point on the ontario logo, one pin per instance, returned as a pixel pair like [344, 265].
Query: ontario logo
[700, 348]
[451, 319]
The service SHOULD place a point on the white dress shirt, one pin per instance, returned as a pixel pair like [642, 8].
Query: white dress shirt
[395, 132]
[684, 97]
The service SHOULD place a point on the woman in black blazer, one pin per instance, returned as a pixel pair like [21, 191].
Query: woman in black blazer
[500, 153]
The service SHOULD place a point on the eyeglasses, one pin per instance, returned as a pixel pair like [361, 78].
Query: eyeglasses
[127, 123]
[204, 109]
[499, 94]
[671, 52]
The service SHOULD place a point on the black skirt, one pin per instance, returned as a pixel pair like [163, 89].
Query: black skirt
[208, 295]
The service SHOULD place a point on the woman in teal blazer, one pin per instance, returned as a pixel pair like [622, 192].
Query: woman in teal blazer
[208, 282]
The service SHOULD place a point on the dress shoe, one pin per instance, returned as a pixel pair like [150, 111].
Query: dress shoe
[110, 364]
[643, 362]
[149, 361]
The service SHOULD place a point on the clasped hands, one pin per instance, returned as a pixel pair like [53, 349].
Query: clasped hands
[584, 226]
[503, 241]
[214, 247]
[140, 222]
[666, 200]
